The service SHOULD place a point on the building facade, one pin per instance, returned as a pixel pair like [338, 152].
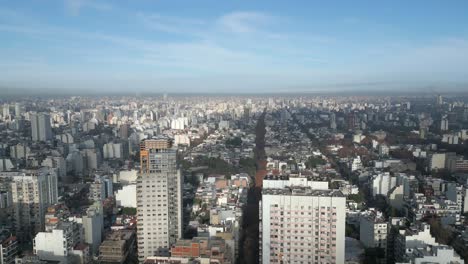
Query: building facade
[159, 198]
[32, 192]
[302, 225]
[41, 129]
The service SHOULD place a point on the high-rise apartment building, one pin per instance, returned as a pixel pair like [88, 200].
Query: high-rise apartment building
[8, 247]
[159, 198]
[40, 127]
[32, 192]
[299, 224]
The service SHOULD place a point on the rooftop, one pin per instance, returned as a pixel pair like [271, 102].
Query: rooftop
[302, 191]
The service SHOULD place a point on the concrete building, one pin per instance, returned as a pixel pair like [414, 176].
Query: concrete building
[100, 189]
[123, 131]
[444, 124]
[57, 244]
[159, 198]
[373, 230]
[8, 247]
[332, 121]
[436, 161]
[19, 151]
[58, 163]
[181, 139]
[115, 150]
[91, 159]
[212, 249]
[126, 176]
[356, 164]
[32, 192]
[126, 197]
[93, 226]
[432, 254]
[383, 150]
[117, 247]
[458, 194]
[302, 225]
[279, 182]
[382, 183]
[413, 237]
[41, 129]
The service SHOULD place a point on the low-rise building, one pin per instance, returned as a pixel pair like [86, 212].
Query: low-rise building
[117, 247]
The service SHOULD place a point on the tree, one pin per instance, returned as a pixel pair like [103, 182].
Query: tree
[234, 142]
[312, 162]
[129, 211]
[358, 198]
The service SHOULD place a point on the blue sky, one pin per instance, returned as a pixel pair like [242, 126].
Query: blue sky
[233, 46]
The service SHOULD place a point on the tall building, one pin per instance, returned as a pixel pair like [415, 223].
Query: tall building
[100, 189]
[332, 121]
[440, 100]
[6, 111]
[302, 225]
[32, 192]
[40, 127]
[93, 226]
[18, 108]
[373, 230]
[159, 198]
[8, 247]
[444, 123]
[123, 131]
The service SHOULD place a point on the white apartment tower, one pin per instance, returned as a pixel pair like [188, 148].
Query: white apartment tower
[159, 198]
[299, 224]
[32, 192]
[40, 127]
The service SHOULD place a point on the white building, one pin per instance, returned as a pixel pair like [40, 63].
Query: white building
[373, 230]
[159, 198]
[437, 161]
[432, 254]
[126, 197]
[57, 244]
[32, 191]
[181, 139]
[100, 189]
[93, 226]
[458, 194]
[356, 164]
[302, 225]
[279, 182]
[56, 162]
[8, 247]
[41, 129]
[127, 176]
[114, 150]
[444, 124]
[382, 183]
[383, 150]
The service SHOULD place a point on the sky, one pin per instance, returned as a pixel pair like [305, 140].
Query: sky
[231, 46]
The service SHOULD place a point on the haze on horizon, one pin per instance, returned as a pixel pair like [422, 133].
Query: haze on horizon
[233, 46]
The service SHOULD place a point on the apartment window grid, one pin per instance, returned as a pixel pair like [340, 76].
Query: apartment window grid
[306, 234]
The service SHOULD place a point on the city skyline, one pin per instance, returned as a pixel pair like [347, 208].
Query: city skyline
[261, 47]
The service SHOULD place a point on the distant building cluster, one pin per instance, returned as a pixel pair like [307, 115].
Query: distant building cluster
[234, 179]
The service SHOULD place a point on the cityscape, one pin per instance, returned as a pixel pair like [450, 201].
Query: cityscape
[160, 132]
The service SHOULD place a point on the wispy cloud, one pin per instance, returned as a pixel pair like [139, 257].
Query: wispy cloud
[244, 22]
[170, 24]
[74, 6]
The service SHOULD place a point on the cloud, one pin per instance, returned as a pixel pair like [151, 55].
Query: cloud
[244, 22]
[170, 24]
[74, 6]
